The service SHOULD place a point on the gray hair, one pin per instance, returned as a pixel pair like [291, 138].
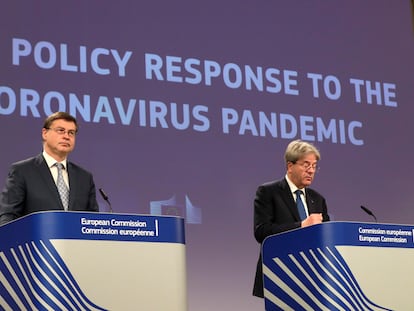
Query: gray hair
[298, 148]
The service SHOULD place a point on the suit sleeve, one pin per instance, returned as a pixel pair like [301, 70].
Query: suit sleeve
[12, 197]
[271, 215]
[325, 215]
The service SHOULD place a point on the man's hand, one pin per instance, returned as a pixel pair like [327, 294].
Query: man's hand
[312, 219]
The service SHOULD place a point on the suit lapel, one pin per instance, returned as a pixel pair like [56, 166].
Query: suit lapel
[72, 184]
[289, 200]
[310, 202]
[46, 176]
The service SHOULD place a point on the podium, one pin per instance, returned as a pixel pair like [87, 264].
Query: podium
[92, 261]
[340, 266]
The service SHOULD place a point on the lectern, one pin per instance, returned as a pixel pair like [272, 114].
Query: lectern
[92, 261]
[340, 266]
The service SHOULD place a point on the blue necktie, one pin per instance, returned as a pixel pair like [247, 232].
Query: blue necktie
[299, 204]
[62, 188]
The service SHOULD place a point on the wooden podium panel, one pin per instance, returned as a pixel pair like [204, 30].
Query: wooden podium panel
[93, 261]
[340, 266]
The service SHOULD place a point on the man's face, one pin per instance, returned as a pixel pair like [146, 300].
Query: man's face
[303, 171]
[59, 139]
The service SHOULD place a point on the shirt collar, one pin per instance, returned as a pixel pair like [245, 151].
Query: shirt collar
[292, 186]
[50, 161]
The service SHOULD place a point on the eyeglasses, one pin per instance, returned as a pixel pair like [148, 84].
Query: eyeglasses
[307, 166]
[62, 131]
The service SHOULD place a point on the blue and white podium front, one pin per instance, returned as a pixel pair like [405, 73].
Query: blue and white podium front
[93, 261]
[340, 266]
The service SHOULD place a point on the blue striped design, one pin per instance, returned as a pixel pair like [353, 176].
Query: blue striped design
[34, 277]
[316, 279]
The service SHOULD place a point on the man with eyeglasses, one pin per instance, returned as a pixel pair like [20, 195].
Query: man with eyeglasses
[288, 203]
[49, 181]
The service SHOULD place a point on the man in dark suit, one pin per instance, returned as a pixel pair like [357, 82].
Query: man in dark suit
[275, 204]
[32, 184]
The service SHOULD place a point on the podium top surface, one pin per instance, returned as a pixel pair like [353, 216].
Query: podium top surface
[92, 226]
[345, 233]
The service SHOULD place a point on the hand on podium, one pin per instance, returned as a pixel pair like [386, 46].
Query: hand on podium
[312, 219]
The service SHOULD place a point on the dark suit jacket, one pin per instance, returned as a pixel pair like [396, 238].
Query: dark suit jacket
[30, 188]
[275, 211]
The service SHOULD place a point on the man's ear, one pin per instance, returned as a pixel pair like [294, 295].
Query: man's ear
[44, 133]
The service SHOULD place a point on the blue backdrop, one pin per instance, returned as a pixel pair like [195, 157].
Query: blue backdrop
[185, 108]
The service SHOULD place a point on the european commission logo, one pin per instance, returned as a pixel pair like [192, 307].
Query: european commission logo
[170, 207]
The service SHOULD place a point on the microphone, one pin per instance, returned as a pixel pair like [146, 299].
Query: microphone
[105, 197]
[369, 212]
